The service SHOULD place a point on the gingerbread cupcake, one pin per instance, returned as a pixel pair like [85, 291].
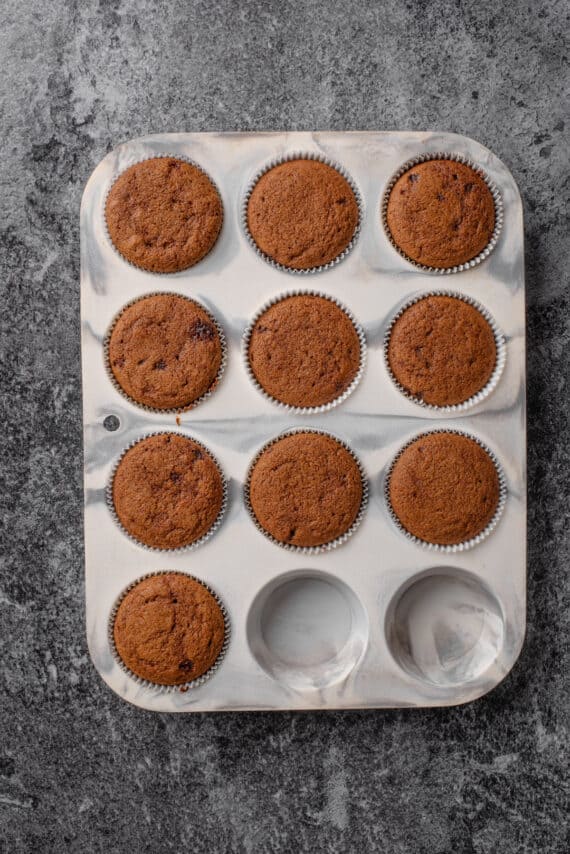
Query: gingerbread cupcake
[165, 352]
[441, 213]
[305, 351]
[444, 488]
[302, 214]
[163, 214]
[306, 489]
[442, 350]
[167, 491]
[169, 629]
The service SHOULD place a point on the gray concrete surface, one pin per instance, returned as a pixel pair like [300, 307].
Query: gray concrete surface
[81, 771]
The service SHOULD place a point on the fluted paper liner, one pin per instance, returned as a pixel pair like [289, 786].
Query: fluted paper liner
[305, 410]
[500, 346]
[277, 161]
[117, 175]
[478, 538]
[171, 410]
[179, 549]
[155, 686]
[497, 199]
[325, 547]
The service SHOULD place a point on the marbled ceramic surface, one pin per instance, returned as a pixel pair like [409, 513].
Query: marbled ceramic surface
[80, 769]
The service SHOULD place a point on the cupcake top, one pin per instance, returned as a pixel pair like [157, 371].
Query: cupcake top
[163, 214]
[306, 489]
[167, 491]
[165, 351]
[444, 488]
[441, 213]
[302, 214]
[442, 350]
[169, 629]
[304, 351]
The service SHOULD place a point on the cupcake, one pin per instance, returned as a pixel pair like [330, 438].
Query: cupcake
[163, 214]
[306, 489]
[169, 629]
[167, 491]
[304, 351]
[441, 213]
[302, 214]
[165, 351]
[441, 350]
[444, 488]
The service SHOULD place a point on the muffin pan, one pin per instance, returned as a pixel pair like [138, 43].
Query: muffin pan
[380, 621]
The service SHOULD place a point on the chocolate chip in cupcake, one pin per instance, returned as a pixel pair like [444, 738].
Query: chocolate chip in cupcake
[165, 351]
[304, 351]
[163, 214]
[441, 213]
[444, 488]
[167, 491]
[169, 629]
[302, 214]
[442, 350]
[306, 489]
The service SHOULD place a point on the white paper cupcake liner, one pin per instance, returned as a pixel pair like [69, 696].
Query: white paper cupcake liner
[178, 550]
[142, 160]
[154, 686]
[495, 192]
[325, 547]
[305, 410]
[277, 161]
[172, 410]
[500, 345]
[482, 535]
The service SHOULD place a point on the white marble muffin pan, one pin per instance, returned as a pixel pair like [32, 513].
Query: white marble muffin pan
[381, 621]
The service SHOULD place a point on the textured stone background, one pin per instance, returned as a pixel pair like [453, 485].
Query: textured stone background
[82, 771]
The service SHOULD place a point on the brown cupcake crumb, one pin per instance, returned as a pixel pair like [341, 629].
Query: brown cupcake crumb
[302, 214]
[304, 351]
[169, 629]
[442, 350]
[165, 351]
[306, 489]
[167, 491]
[441, 213]
[163, 214]
[444, 488]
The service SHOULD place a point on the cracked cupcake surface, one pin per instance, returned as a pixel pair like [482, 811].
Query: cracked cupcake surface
[442, 350]
[444, 488]
[441, 213]
[169, 629]
[304, 351]
[302, 214]
[306, 489]
[163, 214]
[165, 351]
[167, 491]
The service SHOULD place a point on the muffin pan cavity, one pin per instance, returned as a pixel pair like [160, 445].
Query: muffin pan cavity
[445, 627]
[307, 630]
[332, 602]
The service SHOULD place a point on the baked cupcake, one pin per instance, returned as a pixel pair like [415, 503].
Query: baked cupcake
[441, 350]
[306, 489]
[165, 351]
[302, 214]
[163, 214]
[441, 213]
[167, 491]
[304, 351]
[169, 629]
[444, 488]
